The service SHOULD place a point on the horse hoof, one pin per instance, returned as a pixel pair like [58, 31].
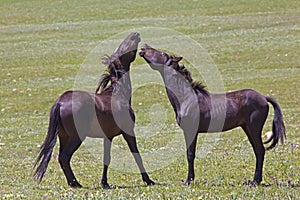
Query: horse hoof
[75, 185]
[186, 183]
[105, 186]
[150, 182]
[250, 184]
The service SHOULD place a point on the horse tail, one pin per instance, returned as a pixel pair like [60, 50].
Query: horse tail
[278, 128]
[49, 143]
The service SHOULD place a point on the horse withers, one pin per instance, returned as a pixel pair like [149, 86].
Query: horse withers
[104, 114]
[198, 111]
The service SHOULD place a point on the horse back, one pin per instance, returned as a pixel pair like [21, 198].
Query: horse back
[87, 114]
[225, 111]
[246, 98]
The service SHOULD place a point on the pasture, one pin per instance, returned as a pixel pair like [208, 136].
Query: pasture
[46, 48]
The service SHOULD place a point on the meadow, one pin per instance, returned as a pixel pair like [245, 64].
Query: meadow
[47, 46]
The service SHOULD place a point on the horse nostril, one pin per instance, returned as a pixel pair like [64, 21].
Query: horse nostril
[142, 53]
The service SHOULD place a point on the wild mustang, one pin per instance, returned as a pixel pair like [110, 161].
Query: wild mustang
[198, 111]
[77, 114]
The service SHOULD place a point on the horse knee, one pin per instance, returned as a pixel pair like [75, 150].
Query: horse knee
[106, 160]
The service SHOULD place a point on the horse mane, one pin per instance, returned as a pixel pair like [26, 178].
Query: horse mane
[113, 73]
[196, 85]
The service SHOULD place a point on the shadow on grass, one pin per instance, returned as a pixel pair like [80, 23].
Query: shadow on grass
[113, 187]
[285, 185]
[246, 184]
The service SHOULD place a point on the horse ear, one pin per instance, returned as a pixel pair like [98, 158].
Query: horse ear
[177, 59]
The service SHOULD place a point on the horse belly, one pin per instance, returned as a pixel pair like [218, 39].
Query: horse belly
[104, 128]
[218, 124]
[232, 123]
[95, 130]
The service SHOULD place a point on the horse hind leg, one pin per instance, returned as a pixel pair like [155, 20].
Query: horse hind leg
[68, 146]
[253, 131]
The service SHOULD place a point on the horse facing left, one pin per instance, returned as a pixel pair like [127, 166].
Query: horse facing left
[199, 111]
[77, 114]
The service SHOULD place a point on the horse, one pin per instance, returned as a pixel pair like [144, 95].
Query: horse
[199, 111]
[106, 113]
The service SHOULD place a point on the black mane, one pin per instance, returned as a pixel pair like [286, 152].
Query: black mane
[197, 86]
[114, 72]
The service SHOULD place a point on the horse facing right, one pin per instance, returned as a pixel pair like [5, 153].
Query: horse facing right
[198, 111]
[78, 114]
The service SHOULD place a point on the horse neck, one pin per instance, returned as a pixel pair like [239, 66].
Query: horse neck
[126, 67]
[178, 89]
[123, 89]
[173, 100]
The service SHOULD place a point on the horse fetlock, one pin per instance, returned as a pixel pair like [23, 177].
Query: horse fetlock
[257, 180]
[147, 180]
[105, 185]
[188, 181]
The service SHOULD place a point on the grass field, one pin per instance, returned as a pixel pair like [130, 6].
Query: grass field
[43, 45]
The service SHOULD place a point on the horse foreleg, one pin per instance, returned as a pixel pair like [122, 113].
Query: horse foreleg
[131, 141]
[106, 162]
[191, 150]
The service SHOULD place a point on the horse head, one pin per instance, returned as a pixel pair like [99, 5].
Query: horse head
[158, 59]
[125, 53]
[119, 62]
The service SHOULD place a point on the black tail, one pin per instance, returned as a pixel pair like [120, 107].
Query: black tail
[49, 143]
[278, 128]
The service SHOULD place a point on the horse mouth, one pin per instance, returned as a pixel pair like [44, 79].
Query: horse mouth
[142, 54]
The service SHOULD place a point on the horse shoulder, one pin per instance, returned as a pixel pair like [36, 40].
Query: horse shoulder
[188, 106]
[100, 102]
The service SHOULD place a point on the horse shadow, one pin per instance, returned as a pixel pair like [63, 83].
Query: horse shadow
[114, 187]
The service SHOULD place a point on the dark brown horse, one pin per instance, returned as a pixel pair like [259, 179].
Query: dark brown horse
[198, 111]
[77, 114]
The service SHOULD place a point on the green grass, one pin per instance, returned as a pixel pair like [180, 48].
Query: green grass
[254, 44]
